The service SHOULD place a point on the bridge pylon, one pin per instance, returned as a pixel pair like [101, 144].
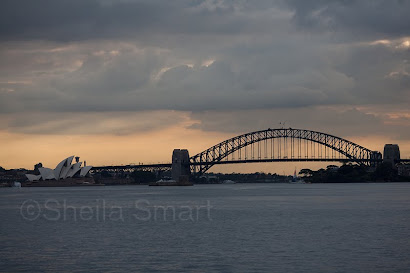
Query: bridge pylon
[391, 154]
[180, 169]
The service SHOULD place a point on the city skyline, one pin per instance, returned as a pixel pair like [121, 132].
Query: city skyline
[121, 82]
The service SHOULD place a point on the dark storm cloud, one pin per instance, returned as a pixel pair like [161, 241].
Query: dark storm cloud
[198, 56]
[68, 20]
[358, 19]
[71, 20]
[75, 19]
[258, 81]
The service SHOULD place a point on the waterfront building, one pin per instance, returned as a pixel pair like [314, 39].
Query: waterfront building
[65, 169]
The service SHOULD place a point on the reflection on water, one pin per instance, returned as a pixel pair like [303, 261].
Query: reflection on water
[221, 228]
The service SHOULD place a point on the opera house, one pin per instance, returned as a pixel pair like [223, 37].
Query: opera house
[65, 171]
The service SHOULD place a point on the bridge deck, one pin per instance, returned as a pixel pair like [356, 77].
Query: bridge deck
[262, 160]
[343, 160]
[133, 167]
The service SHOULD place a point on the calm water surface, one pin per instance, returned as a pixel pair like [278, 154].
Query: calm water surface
[207, 228]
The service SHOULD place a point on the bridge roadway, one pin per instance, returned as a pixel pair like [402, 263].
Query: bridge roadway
[167, 166]
[159, 166]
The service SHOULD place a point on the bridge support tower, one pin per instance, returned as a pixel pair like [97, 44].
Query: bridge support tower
[181, 170]
[391, 154]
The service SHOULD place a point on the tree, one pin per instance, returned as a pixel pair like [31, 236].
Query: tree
[332, 167]
[346, 169]
[306, 172]
[2, 169]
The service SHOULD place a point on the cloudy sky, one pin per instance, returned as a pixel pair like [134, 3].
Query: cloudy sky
[127, 81]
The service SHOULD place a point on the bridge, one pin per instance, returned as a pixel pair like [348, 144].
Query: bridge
[270, 145]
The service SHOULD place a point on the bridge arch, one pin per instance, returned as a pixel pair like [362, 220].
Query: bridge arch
[204, 160]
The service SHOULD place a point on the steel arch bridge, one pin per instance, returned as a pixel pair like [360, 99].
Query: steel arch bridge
[285, 144]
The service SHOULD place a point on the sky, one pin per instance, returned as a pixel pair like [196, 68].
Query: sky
[127, 81]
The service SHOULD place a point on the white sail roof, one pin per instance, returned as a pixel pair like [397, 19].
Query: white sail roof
[33, 177]
[61, 165]
[74, 169]
[84, 170]
[66, 168]
[47, 173]
[63, 170]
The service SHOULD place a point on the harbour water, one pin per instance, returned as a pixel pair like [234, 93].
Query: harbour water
[207, 228]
